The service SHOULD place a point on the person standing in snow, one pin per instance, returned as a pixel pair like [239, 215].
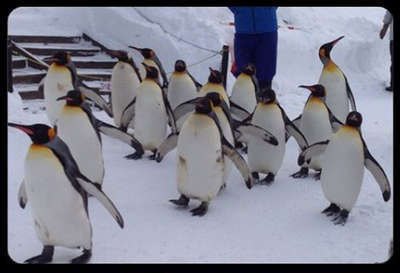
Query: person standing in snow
[255, 41]
[388, 22]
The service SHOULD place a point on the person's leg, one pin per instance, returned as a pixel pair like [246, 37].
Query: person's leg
[244, 45]
[265, 58]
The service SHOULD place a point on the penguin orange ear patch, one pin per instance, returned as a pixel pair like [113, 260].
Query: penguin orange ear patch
[322, 52]
[51, 133]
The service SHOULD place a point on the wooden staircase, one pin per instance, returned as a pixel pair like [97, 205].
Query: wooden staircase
[93, 64]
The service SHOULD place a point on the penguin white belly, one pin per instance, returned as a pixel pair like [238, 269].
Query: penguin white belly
[343, 168]
[200, 163]
[57, 208]
[243, 93]
[336, 94]
[150, 117]
[227, 132]
[75, 129]
[124, 83]
[181, 89]
[263, 157]
[315, 126]
[57, 83]
[213, 87]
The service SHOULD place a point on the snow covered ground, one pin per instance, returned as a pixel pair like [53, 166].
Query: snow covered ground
[277, 224]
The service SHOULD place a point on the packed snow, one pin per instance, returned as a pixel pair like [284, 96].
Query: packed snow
[281, 223]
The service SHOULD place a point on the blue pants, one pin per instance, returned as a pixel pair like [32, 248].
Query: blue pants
[260, 50]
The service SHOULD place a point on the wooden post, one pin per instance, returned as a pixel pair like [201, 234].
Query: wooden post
[224, 63]
[9, 66]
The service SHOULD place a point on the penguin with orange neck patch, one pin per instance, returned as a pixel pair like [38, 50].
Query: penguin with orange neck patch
[57, 193]
[338, 92]
[345, 156]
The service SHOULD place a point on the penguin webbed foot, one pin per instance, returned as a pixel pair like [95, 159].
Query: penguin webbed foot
[332, 210]
[134, 156]
[183, 201]
[341, 219]
[200, 210]
[84, 258]
[154, 155]
[268, 180]
[45, 257]
[302, 173]
[317, 175]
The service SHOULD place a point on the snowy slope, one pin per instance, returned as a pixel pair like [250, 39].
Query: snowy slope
[277, 224]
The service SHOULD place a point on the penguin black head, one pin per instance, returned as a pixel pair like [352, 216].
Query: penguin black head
[215, 76]
[39, 133]
[203, 105]
[215, 98]
[180, 66]
[317, 90]
[121, 55]
[325, 49]
[249, 69]
[147, 53]
[354, 119]
[73, 98]
[60, 58]
[267, 96]
[151, 72]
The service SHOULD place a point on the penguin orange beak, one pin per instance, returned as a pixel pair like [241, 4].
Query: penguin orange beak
[212, 71]
[51, 60]
[114, 53]
[307, 87]
[64, 98]
[24, 128]
[136, 48]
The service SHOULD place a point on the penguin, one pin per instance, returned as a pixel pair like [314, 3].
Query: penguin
[151, 59]
[345, 155]
[80, 130]
[125, 80]
[317, 123]
[244, 90]
[264, 158]
[182, 87]
[152, 113]
[338, 92]
[57, 192]
[60, 78]
[201, 153]
[214, 84]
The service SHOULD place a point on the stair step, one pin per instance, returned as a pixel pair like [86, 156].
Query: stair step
[18, 62]
[51, 48]
[44, 39]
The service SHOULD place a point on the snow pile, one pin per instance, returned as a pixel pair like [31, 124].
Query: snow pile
[278, 224]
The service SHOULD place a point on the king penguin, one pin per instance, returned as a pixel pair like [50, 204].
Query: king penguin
[182, 87]
[245, 89]
[338, 92]
[151, 59]
[57, 192]
[62, 77]
[214, 84]
[263, 157]
[201, 150]
[125, 80]
[152, 114]
[345, 155]
[317, 123]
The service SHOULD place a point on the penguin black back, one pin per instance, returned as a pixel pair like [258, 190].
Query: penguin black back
[215, 76]
[203, 106]
[249, 69]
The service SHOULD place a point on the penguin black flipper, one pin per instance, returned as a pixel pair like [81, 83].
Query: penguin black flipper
[79, 181]
[128, 114]
[296, 122]
[312, 150]
[22, 197]
[86, 108]
[238, 160]
[292, 130]
[229, 150]
[350, 94]
[196, 83]
[184, 108]
[256, 85]
[376, 170]
[168, 144]
[162, 71]
[170, 113]
[246, 129]
[238, 111]
[114, 132]
[96, 98]
[335, 123]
